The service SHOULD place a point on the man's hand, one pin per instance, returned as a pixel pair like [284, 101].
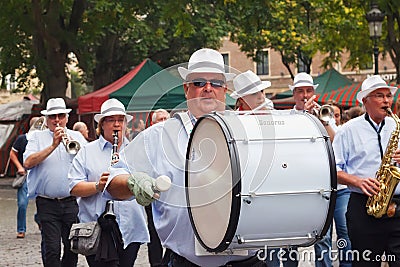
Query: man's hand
[141, 185]
[370, 186]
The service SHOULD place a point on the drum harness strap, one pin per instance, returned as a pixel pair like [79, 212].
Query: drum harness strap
[186, 120]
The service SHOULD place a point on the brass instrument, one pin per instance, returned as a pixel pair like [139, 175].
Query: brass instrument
[109, 211]
[39, 124]
[71, 146]
[388, 177]
[114, 155]
[324, 113]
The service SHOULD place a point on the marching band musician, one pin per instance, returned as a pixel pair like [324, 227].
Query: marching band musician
[88, 176]
[249, 92]
[360, 146]
[164, 146]
[48, 162]
[303, 89]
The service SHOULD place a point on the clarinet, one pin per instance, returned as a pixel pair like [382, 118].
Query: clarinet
[109, 210]
[114, 155]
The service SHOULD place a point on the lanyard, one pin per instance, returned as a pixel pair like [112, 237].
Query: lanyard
[378, 132]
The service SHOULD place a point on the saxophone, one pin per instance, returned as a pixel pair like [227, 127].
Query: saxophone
[388, 177]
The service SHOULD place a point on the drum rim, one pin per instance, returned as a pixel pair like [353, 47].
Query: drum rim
[236, 181]
[332, 164]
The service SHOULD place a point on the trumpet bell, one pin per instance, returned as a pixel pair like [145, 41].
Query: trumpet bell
[326, 113]
[72, 147]
[109, 211]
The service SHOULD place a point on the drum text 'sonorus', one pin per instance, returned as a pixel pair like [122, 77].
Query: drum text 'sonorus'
[268, 122]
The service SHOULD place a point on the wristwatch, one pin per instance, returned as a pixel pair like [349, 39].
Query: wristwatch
[97, 186]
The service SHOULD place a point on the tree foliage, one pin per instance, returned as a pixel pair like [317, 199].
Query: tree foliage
[299, 29]
[107, 37]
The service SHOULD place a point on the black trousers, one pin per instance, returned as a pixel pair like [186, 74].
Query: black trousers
[127, 257]
[371, 237]
[56, 218]
[154, 248]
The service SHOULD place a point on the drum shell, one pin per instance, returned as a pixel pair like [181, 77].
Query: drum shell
[282, 165]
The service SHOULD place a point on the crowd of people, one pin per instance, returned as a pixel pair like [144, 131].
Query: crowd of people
[72, 177]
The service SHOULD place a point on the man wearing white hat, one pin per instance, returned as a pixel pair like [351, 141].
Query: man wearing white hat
[360, 146]
[164, 146]
[249, 92]
[88, 176]
[303, 89]
[48, 162]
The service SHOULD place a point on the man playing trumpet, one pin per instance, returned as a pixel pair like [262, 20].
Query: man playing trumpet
[303, 89]
[48, 162]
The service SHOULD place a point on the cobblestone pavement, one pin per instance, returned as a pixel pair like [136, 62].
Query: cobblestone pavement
[26, 252]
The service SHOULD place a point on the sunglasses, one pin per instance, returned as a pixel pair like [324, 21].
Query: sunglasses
[60, 116]
[202, 82]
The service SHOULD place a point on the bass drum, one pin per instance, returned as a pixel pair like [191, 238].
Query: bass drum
[266, 179]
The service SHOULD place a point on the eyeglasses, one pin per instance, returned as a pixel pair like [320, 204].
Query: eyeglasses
[54, 116]
[381, 96]
[203, 82]
[113, 120]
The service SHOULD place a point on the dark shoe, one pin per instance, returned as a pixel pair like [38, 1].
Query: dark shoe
[21, 235]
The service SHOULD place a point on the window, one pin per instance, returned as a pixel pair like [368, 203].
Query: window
[262, 63]
[301, 66]
[226, 61]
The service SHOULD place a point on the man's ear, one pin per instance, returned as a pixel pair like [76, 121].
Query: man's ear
[185, 89]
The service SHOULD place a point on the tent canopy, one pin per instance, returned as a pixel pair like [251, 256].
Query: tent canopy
[147, 87]
[91, 103]
[347, 96]
[328, 81]
[344, 96]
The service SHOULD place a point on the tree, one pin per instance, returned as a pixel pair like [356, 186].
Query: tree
[392, 40]
[298, 29]
[107, 38]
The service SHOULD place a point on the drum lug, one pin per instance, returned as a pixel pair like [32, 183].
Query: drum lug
[322, 192]
[247, 201]
[239, 240]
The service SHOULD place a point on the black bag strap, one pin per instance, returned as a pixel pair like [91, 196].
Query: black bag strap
[75, 239]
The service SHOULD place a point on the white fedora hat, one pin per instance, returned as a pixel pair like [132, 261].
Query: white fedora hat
[112, 107]
[303, 79]
[371, 84]
[205, 60]
[248, 83]
[55, 106]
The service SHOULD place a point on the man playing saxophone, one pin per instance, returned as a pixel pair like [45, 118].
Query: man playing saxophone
[88, 176]
[48, 162]
[360, 147]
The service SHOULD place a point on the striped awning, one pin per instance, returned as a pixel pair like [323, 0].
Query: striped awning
[347, 96]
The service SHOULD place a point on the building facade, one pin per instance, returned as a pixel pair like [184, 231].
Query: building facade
[272, 69]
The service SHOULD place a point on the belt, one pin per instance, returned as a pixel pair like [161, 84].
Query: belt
[59, 199]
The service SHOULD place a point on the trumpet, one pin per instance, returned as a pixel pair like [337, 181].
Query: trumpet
[71, 146]
[324, 113]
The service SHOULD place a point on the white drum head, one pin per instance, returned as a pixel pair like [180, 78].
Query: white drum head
[210, 184]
